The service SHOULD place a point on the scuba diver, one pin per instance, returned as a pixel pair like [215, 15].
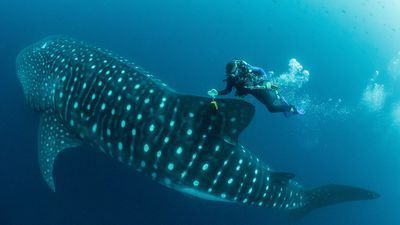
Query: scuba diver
[248, 79]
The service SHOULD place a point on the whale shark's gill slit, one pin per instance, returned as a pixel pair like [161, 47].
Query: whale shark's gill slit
[68, 90]
[102, 107]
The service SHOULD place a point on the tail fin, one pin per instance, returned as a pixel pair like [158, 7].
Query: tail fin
[330, 195]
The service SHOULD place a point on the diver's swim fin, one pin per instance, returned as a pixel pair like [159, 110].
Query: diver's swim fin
[330, 195]
[294, 112]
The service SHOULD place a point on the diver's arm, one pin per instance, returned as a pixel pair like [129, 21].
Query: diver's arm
[228, 88]
[261, 74]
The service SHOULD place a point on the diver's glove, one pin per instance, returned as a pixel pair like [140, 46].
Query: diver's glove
[213, 93]
[271, 86]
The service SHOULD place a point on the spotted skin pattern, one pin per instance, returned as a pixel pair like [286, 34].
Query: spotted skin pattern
[88, 95]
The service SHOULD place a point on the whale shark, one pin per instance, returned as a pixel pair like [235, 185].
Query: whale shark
[88, 95]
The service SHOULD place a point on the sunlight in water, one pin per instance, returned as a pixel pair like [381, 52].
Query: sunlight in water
[374, 96]
[396, 114]
[296, 76]
[394, 67]
[291, 82]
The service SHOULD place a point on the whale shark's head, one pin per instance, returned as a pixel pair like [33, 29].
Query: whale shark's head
[33, 70]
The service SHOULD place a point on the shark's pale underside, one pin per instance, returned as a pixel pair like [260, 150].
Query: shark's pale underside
[87, 95]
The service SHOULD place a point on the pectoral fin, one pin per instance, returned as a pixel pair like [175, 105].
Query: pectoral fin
[53, 138]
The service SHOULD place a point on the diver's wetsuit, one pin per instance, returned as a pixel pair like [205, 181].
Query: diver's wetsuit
[243, 83]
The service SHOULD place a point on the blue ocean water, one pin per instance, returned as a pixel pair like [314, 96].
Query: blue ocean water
[350, 134]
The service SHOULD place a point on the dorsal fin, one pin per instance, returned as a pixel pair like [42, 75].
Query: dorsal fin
[281, 178]
[227, 122]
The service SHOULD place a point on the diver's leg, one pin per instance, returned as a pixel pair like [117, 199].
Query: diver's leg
[271, 100]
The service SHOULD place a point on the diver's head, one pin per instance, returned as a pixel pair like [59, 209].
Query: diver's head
[231, 68]
[241, 62]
